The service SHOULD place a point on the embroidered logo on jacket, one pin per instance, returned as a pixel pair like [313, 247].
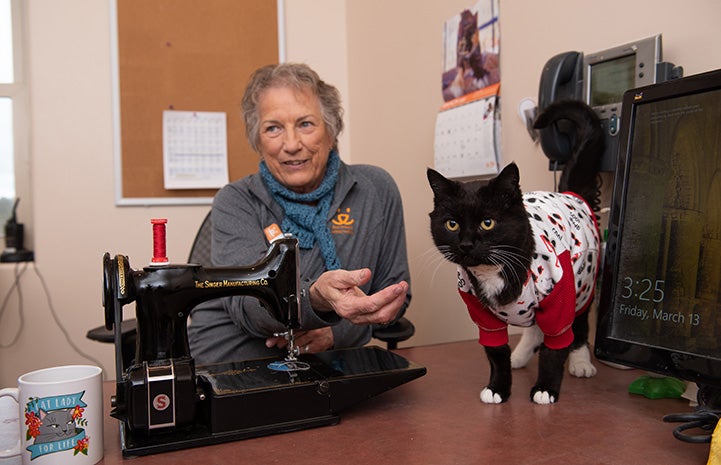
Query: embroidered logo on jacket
[342, 223]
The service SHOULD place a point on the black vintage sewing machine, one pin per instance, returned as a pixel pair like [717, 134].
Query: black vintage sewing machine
[165, 402]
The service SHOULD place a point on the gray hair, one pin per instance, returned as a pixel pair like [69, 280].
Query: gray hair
[296, 75]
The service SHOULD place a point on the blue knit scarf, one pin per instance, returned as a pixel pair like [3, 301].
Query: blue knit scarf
[308, 223]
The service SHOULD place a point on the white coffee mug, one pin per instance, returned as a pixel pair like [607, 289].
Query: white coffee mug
[60, 412]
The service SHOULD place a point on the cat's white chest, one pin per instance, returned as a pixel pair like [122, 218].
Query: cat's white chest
[489, 279]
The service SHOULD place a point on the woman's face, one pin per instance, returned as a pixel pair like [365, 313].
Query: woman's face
[294, 141]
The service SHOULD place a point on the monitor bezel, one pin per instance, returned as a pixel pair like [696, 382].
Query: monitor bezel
[687, 366]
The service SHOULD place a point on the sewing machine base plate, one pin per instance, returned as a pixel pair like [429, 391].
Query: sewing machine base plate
[199, 435]
[249, 399]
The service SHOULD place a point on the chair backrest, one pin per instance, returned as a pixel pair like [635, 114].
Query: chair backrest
[200, 251]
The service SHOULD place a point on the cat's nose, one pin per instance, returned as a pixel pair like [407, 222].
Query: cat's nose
[465, 247]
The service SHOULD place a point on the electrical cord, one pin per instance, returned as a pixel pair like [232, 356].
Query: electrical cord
[56, 318]
[703, 419]
[21, 315]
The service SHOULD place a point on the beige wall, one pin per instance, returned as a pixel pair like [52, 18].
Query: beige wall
[385, 56]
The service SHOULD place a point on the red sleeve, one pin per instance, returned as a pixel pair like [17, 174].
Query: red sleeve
[558, 310]
[492, 332]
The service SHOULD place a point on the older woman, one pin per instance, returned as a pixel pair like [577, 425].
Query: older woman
[348, 220]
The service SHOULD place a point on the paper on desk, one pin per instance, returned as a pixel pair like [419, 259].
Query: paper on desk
[195, 150]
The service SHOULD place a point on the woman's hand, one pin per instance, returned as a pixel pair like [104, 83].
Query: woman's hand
[338, 291]
[311, 341]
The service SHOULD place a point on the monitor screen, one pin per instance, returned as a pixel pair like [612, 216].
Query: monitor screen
[607, 74]
[660, 303]
[610, 79]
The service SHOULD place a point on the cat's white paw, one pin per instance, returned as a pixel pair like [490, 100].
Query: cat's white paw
[490, 397]
[531, 338]
[520, 357]
[582, 370]
[579, 363]
[543, 398]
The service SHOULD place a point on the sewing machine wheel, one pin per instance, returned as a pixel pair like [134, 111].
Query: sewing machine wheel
[108, 293]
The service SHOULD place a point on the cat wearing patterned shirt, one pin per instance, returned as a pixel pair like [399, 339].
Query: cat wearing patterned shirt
[528, 259]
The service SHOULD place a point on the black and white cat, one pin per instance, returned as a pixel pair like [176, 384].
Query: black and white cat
[528, 259]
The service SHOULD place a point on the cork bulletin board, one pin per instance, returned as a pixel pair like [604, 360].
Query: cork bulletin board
[184, 55]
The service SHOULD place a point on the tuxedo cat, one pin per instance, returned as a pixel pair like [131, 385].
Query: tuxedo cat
[528, 259]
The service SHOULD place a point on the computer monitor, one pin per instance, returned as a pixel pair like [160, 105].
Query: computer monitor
[660, 299]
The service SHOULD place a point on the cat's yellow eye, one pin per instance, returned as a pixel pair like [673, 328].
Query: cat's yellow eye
[452, 226]
[488, 224]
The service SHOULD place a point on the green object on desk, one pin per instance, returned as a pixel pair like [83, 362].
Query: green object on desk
[658, 388]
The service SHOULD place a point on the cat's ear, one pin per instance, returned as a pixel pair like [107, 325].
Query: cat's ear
[509, 178]
[508, 184]
[442, 187]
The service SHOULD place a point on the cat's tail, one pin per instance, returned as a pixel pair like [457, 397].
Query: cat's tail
[581, 172]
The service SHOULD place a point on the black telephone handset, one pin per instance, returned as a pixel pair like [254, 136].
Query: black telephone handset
[561, 79]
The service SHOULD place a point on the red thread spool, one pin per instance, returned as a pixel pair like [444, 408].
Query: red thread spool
[159, 253]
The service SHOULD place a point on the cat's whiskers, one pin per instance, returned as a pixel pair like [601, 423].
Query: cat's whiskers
[434, 258]
[490, 279]
[500, 263]
[505, 258]
[513, 258]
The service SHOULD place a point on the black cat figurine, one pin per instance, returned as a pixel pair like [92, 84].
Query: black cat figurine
[528, 259]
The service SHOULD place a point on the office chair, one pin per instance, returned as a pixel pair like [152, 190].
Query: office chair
[200, 250]
[398, 331]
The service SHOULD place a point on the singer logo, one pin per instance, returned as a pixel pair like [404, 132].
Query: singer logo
[161, 402]
[342, 223]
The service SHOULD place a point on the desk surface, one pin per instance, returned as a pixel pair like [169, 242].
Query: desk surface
[439, 419]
